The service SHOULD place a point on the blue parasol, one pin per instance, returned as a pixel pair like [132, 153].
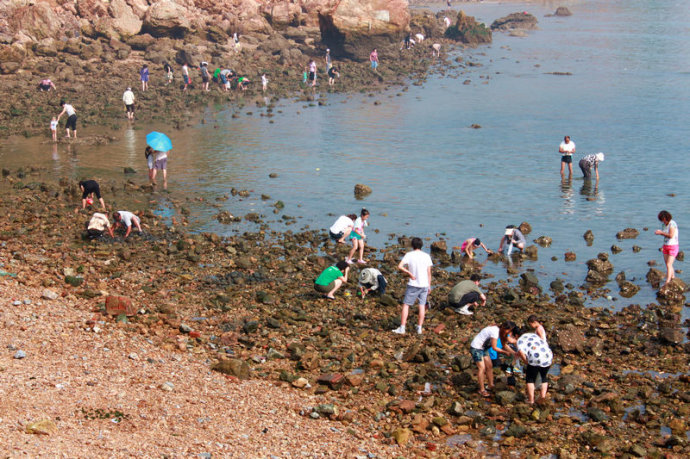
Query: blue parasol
[158, 141]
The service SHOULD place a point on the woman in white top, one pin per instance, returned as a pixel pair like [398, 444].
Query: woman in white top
[670, 247]
[342, 228]
[479, 349]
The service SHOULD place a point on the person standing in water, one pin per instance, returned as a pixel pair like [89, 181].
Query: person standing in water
[71, 118]
[588, 162]
[128, 100]
[566, 149]
[670, 247]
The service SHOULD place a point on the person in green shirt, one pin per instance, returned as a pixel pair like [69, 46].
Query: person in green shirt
[331, 279]
[465, 294]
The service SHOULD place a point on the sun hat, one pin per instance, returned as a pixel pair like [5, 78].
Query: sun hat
[600, 156]
[509, 231]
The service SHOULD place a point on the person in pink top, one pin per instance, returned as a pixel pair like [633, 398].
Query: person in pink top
[472, 243]
[46, 85]
[374, 59]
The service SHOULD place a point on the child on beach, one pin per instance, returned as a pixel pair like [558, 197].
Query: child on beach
[670, 247]
[264, 82]
[472, 243]
[533, 322]
[53, 128]
[149, 153]
[357, 236]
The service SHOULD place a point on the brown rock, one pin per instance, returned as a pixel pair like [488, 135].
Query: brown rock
[570, 256]
[167, 19]
[362, 190]
[627, 233]
[116, 305]
[401, 436]
[570, 339]
[439, 246]
[234, 367]
[42, 427]
[525, 228]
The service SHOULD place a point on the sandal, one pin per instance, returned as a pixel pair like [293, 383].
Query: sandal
[484, 393]
[328, 297]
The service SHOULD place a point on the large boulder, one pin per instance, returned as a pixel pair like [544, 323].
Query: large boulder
[11, 57]
[515, 21]
[123, 19]
[569, 339]
[37, 20]
[167, 18]
[467, 30]
[354, 27]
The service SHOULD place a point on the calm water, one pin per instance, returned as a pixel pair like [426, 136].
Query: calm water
[431, 173]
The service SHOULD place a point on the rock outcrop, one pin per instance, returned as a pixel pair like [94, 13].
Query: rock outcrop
[515, 21]
[467, 30]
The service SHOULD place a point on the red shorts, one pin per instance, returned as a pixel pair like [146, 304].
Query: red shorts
[670, 250]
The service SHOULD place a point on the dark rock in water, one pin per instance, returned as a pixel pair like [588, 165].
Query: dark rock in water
[680, 257]
[439, 246]
[544, 241]
[628, 289]
[510, 295]
[515, 430]
[515, 21]
[557, 285]
[225, 217]
[671, 335]
[362, 190]
[627, 233]
[273, 175]
[529, 282]
[599, 269]
[475, 126]
[129, 170]
[654, 277]
[467, 30]
[570, 339]
[562, 11]
[672, 292]
[531, 252]
[589, 236]
[570, 256]
[234, 367]
[525, 228]
[615, 249]
[253, 217]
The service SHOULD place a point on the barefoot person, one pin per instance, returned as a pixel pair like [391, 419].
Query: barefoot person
[150, 155]
[537, 355]
[357, 236]
[465, 294]
[144, 76]
[90, 187]
[53, 128]
[331, 279]
[128, 100]
[374, 59]
[71, 118]
[341, 229]
[125, 219]
[512, 237]
[472, 243]
[588, 162]
[479, 348]
[566, 149]
[419, 271]
[160, 164]
[670, 247]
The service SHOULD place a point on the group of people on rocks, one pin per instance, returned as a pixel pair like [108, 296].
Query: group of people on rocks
[506, 339]
[99, 223]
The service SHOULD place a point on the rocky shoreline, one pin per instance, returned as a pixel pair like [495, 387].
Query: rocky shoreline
[245, 305]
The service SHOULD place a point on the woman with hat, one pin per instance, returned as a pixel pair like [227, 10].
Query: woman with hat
[589, 162]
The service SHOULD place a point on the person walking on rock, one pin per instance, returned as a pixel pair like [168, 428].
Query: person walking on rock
[374, 59]
[128, 100]
[312, 72]
[71, 118]
[205, 76]
[144, 75]
[417, 265]
[160, 164]
[670, 247]
[591, 161]
[150, 155]
[125, 219]
[331, 279]
[90, 187]
[487, 339]
[567, 149]
[167, 68]
[465, 294]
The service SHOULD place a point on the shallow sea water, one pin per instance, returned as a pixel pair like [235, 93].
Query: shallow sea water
[431, 173]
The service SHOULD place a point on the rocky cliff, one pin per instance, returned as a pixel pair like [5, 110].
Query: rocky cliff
[44, 27]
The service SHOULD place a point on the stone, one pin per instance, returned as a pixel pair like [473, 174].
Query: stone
[354, 380]
[20, 355]
[531, 252]
[167, 386]
[74, 281]
[41, 427]
[234, 367]
[362, 190]
[184, 328]
[529, 282]
[116, 305]
[467, 30]
[654, 277]
[672, 293]
[48, 294]
[456, 409]
[543, 241]
[300, 383]
[401, 436]
[597, 414]
[272, 354]
[505, 397]
[627, 233]
[525, 228]
[332, 380]
[439, 247]
[167, 19]
[562, 11]
[327, 409]
[515, 21]
[570, 256]
[569, 339]
[515, 430]
[588, 236]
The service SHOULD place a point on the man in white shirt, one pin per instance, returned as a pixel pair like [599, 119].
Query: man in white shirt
[567, 149]
[419, 269]
[128, 99]
[125, 219]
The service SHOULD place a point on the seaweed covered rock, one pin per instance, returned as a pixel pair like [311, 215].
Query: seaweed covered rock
[467, 30]
[515, 21]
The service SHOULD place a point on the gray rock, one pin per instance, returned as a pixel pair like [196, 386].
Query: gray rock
[505, 397]
[20, 354]
[597, 414]
[184, 328]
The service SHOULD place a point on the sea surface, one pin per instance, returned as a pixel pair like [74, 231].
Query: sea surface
[626, 93]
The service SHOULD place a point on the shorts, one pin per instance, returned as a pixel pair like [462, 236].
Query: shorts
[355, 235]
[374, 65]
[312, 76]
[145, 79]
[464, 245]
[204, 79]
[71, 123]
[223, 79]
[130, 108]
[96, 191]
[532, 371]
[568, 159]
[335, 237]
[161, 164]
[478, 354]
[149, 161]
[670, 250]
[586, 168]
[415, 293]
[44, 87]
[186, 79]
[324, 288]
[467, 298]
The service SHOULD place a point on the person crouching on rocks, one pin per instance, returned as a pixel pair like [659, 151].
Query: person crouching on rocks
[465, 294]
[591, 161]
[479, 349]
[98, 224]
[331, 279]
[342, 228]
[512, 237]
[125, 219]
[472, 243]
[371, 280]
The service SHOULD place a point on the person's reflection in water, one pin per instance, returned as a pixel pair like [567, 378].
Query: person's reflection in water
[590, 192]
[567, 195]
[56, 159]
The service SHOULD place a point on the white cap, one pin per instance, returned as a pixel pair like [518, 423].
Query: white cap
[509, 231]
[328, 50]
[599, 156]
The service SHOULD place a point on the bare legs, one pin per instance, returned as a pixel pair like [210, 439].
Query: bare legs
[670, 272]
[406, 312]
[485, 373]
